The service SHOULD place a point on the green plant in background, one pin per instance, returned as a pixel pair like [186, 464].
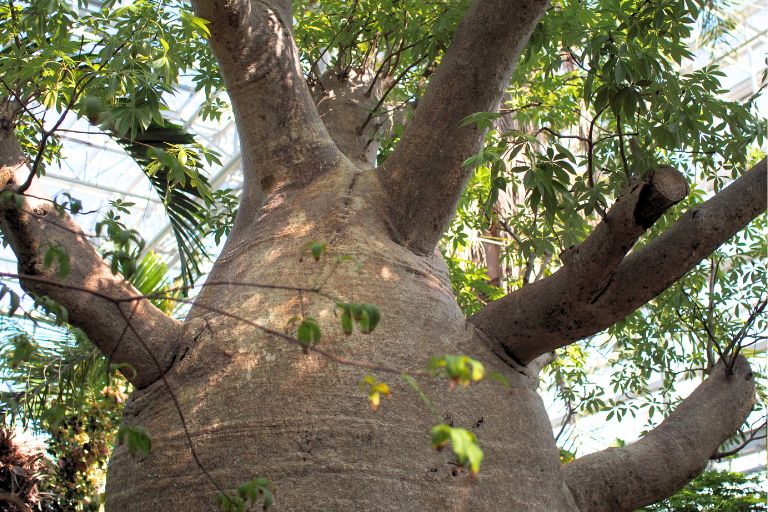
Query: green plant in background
[717, 491]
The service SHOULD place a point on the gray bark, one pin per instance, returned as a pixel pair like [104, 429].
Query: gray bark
[96, 300]
[425, 174]
[284, 142]
[672, 454]
[345, 104]
[237, 399]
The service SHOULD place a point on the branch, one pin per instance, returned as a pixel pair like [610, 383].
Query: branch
[672, 454]
[283, 140]
[34, 226]
[425, 176]
[755, 435]
[558, 310]
[343, 106]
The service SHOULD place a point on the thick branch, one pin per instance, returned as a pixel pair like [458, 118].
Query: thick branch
[425, 174]
[561, 308]
[284, 142]
[648, 272]
[345, 104]
[671, 455]
[630, 216]
[32, 228]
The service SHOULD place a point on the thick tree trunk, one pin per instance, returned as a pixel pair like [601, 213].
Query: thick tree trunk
[257, 406]
[226, 397]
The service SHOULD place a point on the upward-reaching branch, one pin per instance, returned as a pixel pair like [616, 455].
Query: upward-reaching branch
[32, 228]
[284, 143]
[597, 287]
[425, 175]
[669, 456]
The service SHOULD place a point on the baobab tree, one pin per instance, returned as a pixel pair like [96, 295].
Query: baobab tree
[260, 380]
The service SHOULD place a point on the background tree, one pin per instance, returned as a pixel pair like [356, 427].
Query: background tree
[717, 490]
[356, 152]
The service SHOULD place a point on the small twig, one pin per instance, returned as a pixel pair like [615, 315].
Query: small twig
[518, 109]
[562, 136]
[567, 420]
[621, 147]
[713, 269]
[544, 262]
[375, 109]
[754, 436]
[388, 58]
[529, 268]
[85, 79]
[735, 343]
[590, 150]
[290, 339]
[699, 315]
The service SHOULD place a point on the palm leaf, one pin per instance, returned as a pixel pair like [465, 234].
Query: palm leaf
[184, 202]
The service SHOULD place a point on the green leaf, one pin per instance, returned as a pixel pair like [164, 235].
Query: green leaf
[230, 503]
[248, 492]
[464, 444]
[58, 254]
[135, 438]
[184, 202]
[201, 25]
[346, 319]
[308, 332]
[23, 349]
[501, 379]
[315, 249]
[459, 369]
[366, 316]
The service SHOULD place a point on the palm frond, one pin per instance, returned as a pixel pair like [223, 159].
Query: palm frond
[184, 203]
[185, 200]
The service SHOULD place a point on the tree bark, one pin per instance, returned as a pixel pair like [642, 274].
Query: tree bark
[345, 104]
[238, 402]
[597, 288]
[425, 175]
[672, 454]
[97, 301]
[284, 142]
[257, 406]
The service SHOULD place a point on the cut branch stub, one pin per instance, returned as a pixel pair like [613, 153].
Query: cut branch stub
[624, 223]
[664, 188]
[600, 285]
